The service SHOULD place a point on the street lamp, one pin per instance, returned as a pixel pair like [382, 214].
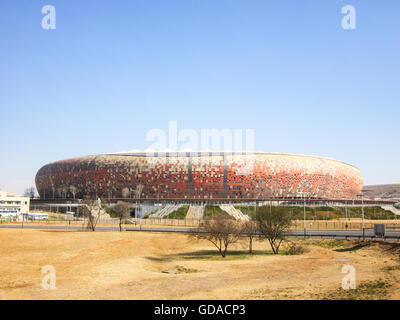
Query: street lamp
[304, 207]
[362, 213]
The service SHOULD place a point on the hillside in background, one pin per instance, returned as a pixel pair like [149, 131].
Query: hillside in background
[384, 191]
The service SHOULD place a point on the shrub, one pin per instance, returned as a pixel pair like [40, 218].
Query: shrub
[295, 249]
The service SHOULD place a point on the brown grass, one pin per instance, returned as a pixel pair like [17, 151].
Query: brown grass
[133, 265]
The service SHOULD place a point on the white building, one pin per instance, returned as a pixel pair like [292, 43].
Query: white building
[13, 205]
[37, 216]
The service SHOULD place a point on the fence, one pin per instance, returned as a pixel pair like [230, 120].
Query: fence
[297, 224]
[341, 225]
[73, 221]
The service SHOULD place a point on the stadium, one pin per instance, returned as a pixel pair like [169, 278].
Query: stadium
[219, 176]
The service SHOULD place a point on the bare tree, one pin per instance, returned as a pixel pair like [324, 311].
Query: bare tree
[250, 230]
[65, 190]
[91, 210]
[221, 232]
[73, 190]
[30, 192]
[125, 193]
[122, 209]
[273, 225]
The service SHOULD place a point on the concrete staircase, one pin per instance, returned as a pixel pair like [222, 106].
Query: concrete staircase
[232, 211]
[94, 209]
[195, 212]
[392, 209]
[165, 211]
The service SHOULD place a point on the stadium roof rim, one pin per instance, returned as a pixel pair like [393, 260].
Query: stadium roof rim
[172, 153]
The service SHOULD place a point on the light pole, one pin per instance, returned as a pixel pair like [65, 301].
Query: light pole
[304, 207]
[362, 213]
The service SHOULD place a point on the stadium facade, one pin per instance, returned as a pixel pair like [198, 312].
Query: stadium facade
[200, 176]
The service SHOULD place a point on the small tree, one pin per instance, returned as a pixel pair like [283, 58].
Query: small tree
[273, 225]
[221, 232]
[73, 190]
[30, 192]
[92, 210]
[125, 193]
[250, 230]
[122, 209]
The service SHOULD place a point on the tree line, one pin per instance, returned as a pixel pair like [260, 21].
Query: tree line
[221, 230]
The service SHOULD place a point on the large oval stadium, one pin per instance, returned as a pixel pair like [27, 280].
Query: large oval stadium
[200, 176]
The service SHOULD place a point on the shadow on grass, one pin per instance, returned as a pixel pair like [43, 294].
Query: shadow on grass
[70, 231]
[160, 259]
[356, 247]
[214, 255]
[338, 245]
[390, 247]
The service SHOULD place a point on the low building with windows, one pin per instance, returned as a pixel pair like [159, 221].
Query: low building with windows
[13, 206]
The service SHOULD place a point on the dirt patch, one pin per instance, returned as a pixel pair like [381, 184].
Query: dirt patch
[132, 265]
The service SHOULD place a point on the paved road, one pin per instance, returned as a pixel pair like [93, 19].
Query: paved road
[338, 234]
[99, 228]
[343, 234]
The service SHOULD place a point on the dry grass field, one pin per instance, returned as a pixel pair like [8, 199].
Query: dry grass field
[142, 265]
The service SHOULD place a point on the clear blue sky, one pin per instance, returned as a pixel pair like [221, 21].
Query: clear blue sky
[112, 70]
